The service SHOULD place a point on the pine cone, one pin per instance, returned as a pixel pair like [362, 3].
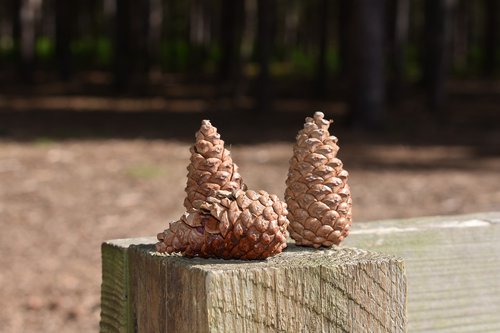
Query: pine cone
[211, 168]
[317, 193]
[231, 225]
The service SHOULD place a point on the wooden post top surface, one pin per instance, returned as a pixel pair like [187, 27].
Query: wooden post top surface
[452, 265]
[292, 256]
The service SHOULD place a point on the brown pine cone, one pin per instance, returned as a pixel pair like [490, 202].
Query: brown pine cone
[231, 225]
[317, 193]
[184, 235]
[211, 167]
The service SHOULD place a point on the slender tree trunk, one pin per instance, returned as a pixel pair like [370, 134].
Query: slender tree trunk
[437, 48]
[367, 66]
[15, 12]
[131, 43]
[344, 18]
[199, 34]
[140, 37]
[122, 50]
[400, 14]
[64, 20]
[460, 27]
[231, 29]
[27, 13]
[155, 30]
[265, 10]
[245, 48]
[291, 22]
[109, 30]
[491, 37]
[322, 68]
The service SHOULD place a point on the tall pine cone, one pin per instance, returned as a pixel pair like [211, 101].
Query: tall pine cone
[211, 167]
[317, 193]
[230, 225]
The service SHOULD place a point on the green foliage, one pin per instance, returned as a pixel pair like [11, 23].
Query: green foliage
[44, 48]
[6, 44]
[297, 62]
[83, 50]
[413, 68]
[175, 55]
[213, 58]
[92, 51]
[302, 63]
[92, 44]
[476, 57]
[103, 51]
[333, 60]
[145, 172]
[43, 142]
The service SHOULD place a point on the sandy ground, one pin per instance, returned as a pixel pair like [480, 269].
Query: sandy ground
[60, 199]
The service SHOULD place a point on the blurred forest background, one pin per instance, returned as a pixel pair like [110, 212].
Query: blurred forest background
[100, 100]
[365, 57]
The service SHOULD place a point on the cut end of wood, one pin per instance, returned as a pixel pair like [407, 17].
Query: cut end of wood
[301, 289]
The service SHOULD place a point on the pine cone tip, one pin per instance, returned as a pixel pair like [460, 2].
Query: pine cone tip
[319, 120]
[319, 115]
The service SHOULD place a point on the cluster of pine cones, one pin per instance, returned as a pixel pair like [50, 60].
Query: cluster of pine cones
[225, 220]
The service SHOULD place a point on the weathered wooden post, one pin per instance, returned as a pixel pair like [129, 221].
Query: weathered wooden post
[300, 290]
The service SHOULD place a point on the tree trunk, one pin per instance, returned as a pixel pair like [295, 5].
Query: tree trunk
[155, 30]
[344, 18]
[199, 34]
[400, 19]
[291, 22]
[459, 34]
[122, 50]
[265, 10]
[15, 12]
[367, 66]
[491, 38]
[437, 48]
[231, 29]
[246, 49]
[140, 36]
[27, 13]
[131, 51]
[322, 68]
[64, 19]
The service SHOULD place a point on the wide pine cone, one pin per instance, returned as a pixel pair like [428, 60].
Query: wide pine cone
[317, 193]
[230, 225]
[211, 167]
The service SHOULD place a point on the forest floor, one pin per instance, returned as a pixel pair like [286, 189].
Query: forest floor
[61, 195]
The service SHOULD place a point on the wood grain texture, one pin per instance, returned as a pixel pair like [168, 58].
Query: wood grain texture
[453, 268]
[115, 305]
[341, 290]
[452, 262]
[301, 290]
[165, 296]
[114, 289]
